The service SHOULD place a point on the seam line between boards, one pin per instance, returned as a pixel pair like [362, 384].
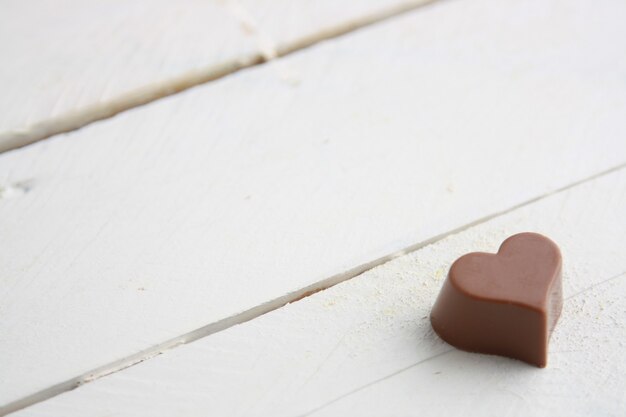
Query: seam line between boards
[74, 120]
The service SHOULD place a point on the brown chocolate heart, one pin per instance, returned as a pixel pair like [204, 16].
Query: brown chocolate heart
[503, 304]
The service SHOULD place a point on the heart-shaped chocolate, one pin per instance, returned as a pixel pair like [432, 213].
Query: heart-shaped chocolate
[503, 304]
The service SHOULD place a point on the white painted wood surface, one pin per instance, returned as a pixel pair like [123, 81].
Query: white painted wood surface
[365, 347]
[183, 213]
[67, 63]
[292, 24]
[59, 57]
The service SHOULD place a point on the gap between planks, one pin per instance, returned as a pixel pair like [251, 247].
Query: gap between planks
[267, 307]
[144, 95]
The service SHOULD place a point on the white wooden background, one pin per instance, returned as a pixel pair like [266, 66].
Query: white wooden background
[66, 63]
[365, 347]
[441, 129]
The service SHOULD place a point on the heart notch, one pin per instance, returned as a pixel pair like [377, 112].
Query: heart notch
[503, 304]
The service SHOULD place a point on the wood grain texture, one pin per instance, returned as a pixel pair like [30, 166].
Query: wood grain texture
[69, 63]
[365, 347]
[222, 199]
[60, 57]
[281, 26]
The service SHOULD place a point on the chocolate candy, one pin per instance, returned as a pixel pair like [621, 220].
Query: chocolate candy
[503, 304]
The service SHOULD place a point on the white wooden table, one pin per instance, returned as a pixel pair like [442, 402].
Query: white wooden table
[270, 242]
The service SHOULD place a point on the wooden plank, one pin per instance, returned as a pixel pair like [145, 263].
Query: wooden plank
[365, 347]
[69, 63]
[210, 207]
[62, 57]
